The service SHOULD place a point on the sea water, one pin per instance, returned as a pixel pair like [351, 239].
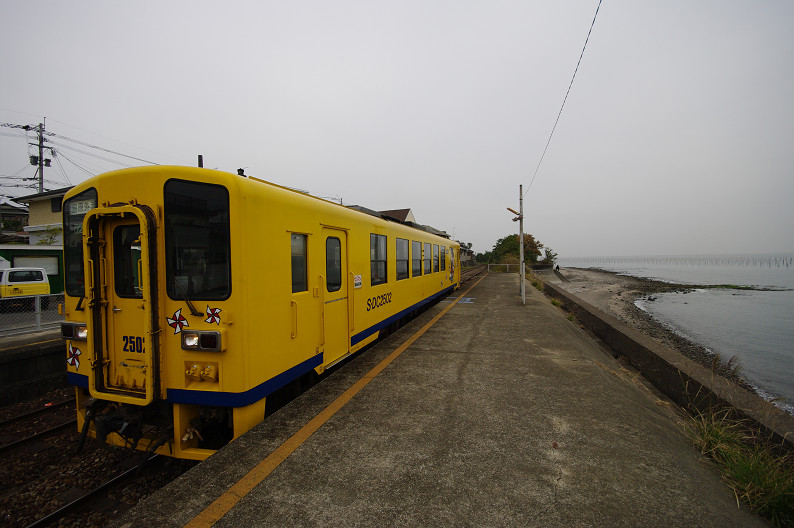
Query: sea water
[756, 326]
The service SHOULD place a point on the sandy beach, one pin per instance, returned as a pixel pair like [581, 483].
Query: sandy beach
[615, 294]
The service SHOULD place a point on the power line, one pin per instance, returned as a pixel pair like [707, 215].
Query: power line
[63, 171]
[61, 146]
[565, 99]
[115, 140]
[100, 148]
[42, 139]
[22, 113]
[76, 165]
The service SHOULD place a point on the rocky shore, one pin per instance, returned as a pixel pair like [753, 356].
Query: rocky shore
[615, 294]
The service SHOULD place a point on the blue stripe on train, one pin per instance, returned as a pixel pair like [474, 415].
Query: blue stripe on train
[224, 399]
[80, 380]
[241, 399]
[359, 337]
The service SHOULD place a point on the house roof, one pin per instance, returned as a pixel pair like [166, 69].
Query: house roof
[402, 215]
[8, 203]
[43, 195]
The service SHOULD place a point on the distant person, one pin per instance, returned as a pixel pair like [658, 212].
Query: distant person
[558, 267]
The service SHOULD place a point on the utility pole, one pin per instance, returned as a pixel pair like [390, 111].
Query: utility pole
[38, 160]
[521, 242]
[520, 218]
[41, 156]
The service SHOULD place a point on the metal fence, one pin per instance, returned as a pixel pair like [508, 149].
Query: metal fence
[505, 268]
[20, 315]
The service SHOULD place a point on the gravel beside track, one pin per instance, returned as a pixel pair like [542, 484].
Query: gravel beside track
[43, 476]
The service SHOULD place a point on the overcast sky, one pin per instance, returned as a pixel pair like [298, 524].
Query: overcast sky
[677, 136]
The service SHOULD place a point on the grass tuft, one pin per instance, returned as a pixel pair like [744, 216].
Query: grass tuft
[758, 475]
[731, 369]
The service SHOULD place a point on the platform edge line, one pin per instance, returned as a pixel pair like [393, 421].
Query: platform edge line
[223, 504]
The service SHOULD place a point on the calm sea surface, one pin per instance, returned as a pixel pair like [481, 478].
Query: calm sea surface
[756, 326]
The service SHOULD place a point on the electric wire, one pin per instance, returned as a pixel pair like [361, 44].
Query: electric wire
[26, 129]
[63, 171]
[564, 99]
[22, 113]
[20, 170]
[109, 160]
[76, 165]
[87, 163]
[12, 125]
[115, 140]
[83, 143]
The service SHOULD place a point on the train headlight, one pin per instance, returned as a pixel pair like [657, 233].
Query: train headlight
[207, 341]
[190, 340]
[76, 331]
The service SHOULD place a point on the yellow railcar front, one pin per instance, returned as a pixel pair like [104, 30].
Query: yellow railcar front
[192, 295]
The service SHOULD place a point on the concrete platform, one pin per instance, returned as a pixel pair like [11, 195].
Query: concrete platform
[499, 415]
[31, 364]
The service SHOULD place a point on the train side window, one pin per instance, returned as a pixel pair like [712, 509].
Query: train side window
[300, 282]
[377, 258]
[402, 259]
[428, 259]
[416, 258]
[443, 258]
[333, 264]
[435, 258]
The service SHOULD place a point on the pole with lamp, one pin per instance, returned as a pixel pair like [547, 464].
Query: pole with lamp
[520, 219]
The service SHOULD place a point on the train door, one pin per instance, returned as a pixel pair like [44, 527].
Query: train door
[120, 303]
[335, 296]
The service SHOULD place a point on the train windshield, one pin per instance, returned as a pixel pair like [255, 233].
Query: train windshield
[74, 210]
[197, 246]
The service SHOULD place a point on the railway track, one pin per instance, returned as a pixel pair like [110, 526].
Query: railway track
[469, 273]
[34, 425]
[46, 484]
[99, 492]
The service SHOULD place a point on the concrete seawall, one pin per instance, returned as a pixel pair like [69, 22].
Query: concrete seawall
[684, 381]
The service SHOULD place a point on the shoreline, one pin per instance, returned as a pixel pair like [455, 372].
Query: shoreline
[615, 294]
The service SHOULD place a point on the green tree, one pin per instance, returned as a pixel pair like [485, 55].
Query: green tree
[508, 248]
[50, 236]
[549, 256]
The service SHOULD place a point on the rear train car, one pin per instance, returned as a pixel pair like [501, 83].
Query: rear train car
[192, 295]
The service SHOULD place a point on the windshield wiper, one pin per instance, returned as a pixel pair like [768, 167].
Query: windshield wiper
[185, 298]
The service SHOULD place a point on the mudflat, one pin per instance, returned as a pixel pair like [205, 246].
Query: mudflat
[615, 294]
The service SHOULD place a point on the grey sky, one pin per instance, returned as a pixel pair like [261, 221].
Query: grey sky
[677, 137]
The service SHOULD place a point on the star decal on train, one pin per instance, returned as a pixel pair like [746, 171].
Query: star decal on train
[213, 315]
[178, 322]
[73, 360]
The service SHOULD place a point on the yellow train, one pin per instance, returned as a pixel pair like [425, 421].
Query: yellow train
[192, 295]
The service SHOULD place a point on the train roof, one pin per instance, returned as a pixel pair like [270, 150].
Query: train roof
[400, 216]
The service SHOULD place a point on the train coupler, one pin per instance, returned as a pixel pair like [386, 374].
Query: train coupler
[92, 407]
[127, 426]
